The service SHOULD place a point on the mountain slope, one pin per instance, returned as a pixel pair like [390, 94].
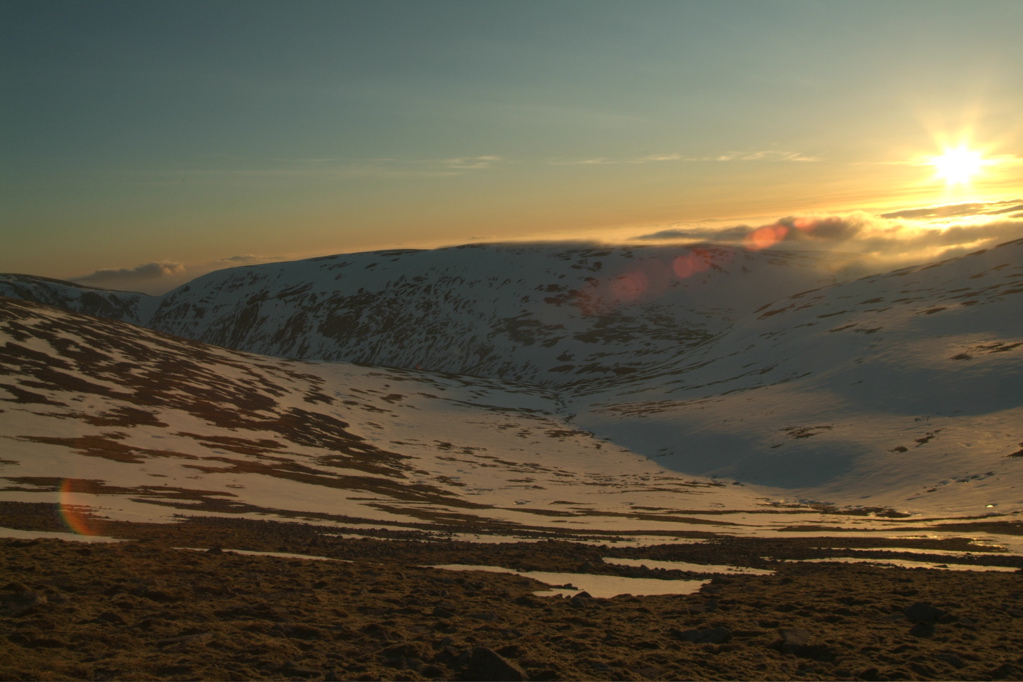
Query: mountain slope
[115, 305]
[555, 315]
[898, 390]
[139, 425]
[903, 389]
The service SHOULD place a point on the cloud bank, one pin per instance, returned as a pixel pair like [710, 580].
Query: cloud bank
[877, 241]
[159, 277]
[143, 277]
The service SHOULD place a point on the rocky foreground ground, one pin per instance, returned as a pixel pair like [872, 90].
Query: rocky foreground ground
[146, 609]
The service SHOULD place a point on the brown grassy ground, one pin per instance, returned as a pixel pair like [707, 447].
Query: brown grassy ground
[145, 610]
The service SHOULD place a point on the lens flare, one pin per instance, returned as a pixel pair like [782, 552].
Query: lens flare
[76, 514]
[630, 286]
[692, 263]
[765, 237]
[646, 280]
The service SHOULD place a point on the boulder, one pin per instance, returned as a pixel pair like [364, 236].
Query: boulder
[923, 612]
[487, 664]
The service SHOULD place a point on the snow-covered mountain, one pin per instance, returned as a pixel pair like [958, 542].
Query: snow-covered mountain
[115, 305]
[605, 380]
[554, 315]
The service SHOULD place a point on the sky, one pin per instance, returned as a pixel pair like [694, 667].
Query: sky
[144, 143]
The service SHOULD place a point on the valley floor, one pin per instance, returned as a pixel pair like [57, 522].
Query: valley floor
[145, 608]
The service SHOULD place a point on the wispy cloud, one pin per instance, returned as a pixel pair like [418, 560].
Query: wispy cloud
[728, 234]
[772, 155]
[379, 168]
[595, 161]
[763, 155]
[247, 259]
[471, 162]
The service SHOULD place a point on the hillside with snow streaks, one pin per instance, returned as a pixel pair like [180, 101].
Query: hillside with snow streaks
[115, 305]
[138, 425]
[900, 390]
[903, 389]
[552, 315]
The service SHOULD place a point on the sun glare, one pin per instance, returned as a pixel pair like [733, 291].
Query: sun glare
[958, 166]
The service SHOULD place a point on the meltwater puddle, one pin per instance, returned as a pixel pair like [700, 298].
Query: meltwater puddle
[279, 555]
[601, 586]
[907, 563]
[686, 566]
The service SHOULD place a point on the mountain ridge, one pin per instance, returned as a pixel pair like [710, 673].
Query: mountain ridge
[552, 315]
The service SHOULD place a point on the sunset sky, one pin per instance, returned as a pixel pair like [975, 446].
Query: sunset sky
[155, 141]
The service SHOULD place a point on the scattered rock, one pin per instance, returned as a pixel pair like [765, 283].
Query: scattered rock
[419, 650]
[952, 659]
[796, 642]
[869, 674]
[486, 616]
[1006, 671]
[924, 671]
[793, 640]
[159, 595]
[708, 606]
[291, 670]
[923, 629]
[487, 664]
[303, 631]
[510, 650]
[21, 602]
[923, 612]
[377, 631]
[110, 617]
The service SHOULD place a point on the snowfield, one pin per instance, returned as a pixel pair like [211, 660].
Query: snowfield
[527, 391]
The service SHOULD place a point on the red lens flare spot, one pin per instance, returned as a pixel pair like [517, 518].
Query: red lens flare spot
[804, 224]
[75, 513]
[694, 262]
[765, 237]
[684, 266]
[630, 286]
[646, 280]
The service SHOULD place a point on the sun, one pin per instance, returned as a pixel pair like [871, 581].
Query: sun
[958, 166]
